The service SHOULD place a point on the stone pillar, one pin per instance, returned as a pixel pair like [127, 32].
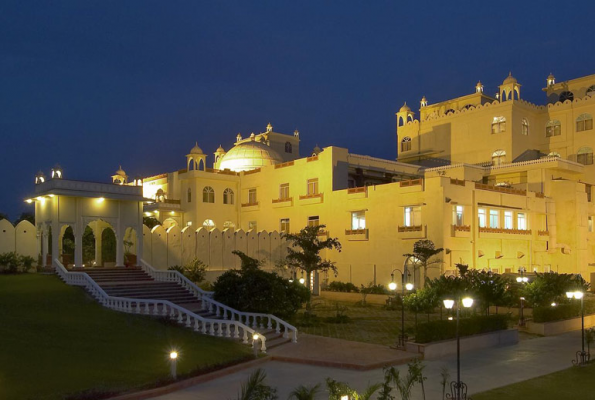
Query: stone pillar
[44, 237]
[97, 233]
[78, 246]
[55, 242]
[119, 249]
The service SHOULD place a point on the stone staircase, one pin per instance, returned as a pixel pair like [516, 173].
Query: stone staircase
[134, 283]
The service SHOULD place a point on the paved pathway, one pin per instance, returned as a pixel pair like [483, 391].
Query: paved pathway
[481, 370]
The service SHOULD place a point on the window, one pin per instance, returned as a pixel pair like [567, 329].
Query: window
[313, 186]
[553, 128]
[481, 215]
[585, 156]
[498, 125]
[411, 216]
[498, 157]
[554, 154]
[566, 96]
[252, 196]
[358, 220]
[228, 196]
[208, 195]
[284, 225]
[229, 225]
[314, 220]
[584, 122]
[284, 191]
[189, 195]
[508, 220]
[494, 219]
[288, 147]
[591, 90]
[590, 224]
[252, 225]
[457, 216]
[521, 221]
[525, 127]
[208, 224]
[406, 144]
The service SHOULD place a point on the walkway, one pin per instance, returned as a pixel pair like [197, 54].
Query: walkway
[481, 370]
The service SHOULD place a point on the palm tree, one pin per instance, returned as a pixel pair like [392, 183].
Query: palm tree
[304, 393]
[255, 388]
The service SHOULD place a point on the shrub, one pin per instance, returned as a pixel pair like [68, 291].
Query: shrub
[562, 311]
[442, 330]
[12, 263]
[195, 270]
[337, 286]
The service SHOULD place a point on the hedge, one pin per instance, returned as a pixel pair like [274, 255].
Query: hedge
[434, 331]
[346, 287]
[562, 311]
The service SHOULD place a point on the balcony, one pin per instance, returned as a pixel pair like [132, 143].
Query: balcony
[165, 205]
[253, 204]
[356, 234]
[416, 228]
[455, 181]
[506, 231]
[500, 189]
[412, 232]
[411, 182]
[315, 198]
[282, 202]
[283, 165]
[461, 231]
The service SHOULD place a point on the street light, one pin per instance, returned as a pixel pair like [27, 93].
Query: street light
[255, 338]
[173, 359]
[522, 280]
[458, 389]
[393, 286]
[582, 357]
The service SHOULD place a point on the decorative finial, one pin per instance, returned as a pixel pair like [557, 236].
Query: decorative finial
[269, 127]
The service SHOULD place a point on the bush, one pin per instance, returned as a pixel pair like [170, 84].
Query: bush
[195, 270]
[12, 263]
[442, 330]
[346, 287]
[562, 311]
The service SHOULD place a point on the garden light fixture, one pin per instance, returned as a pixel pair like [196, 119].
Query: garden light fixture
[582, 357]
[404, 285]
[458, 388]
[173, 360]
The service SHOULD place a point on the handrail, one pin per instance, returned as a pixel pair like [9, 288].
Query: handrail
[219, 309]
[163, 308]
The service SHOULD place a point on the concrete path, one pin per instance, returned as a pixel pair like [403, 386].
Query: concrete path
[481, 370]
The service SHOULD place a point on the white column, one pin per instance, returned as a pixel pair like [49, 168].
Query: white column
[55, 242]
[78, 246]
[98, 244]
[119, 249]
[44, 237]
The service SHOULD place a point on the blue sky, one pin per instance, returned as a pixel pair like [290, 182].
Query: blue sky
[95, 84]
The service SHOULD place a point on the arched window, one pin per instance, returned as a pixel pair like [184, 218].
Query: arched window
[566, 96]
[288, 147]
[406, 144]
[208, 195]
[189, 195]
[498, 124]
[585, 156]
[449, 111]
[208, 224]
[228, 225]
[554, 154]
[525, 127]
[591, 90]
[228, 196]
[553, 128]
[584, 122]
[498, 157]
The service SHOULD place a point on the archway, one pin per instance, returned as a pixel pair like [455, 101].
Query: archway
[88, 247]
[130, 247]
[66, 242]
[108, 247]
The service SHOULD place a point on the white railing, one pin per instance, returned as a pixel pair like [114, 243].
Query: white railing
[162, 308]
[255, 320]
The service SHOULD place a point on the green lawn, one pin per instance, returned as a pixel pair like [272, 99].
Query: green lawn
[55, 339]
[572, 383]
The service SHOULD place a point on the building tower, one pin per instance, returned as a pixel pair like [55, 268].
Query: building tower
[510, 89]
[195, 158]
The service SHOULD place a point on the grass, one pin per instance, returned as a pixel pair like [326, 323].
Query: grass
[56, 340]
[572, 383]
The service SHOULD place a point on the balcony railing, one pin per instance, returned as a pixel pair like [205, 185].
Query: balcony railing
[500, 189]
[250, 204]
[415, 228]
[356, 231]
[312, 196]
[508, 231]
[461, 228]
[283, 165]
[543, 233]
[455, 181]
[356, 190]
[282, 200]
[411, 182]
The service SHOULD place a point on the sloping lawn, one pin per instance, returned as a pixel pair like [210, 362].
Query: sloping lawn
[572, 383]
[56, 340]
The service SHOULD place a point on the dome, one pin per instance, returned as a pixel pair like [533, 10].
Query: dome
[248, 156]
[120, 172]
[220, 149]
[196, 149]
[405, 108]
[509, 79]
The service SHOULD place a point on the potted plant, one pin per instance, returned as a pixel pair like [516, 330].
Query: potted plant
[129, 258]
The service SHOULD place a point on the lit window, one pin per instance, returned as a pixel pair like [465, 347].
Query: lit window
[284, 225]
[189, 195]
[457, 217]
[508, 220]
[284, 191]
[358, 220]
[584, 122]
[252, 196]
[228, 196]
[498, 125]
[481, 215]
[208, 195]
[498, 157]
[252, 225]
[411, 216]
[406, 144]
[553, 128]
[228, 225]
[525, 127]
[591, 90]
[585, 156]
[313, 186]
[521, 221]
[208, 224]
[314, 220]
[494, 219]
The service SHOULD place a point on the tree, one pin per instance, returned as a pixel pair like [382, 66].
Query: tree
[151, 222]
[552, 287]
[304, 393]
[26, 216]
[305, 249]
[488, 288]
[424, 252]
[255, 388]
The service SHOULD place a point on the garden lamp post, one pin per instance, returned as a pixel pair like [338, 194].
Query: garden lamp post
[173, 359]
[522, 280]
[255, 338]
[458, 389]
[393, 286]
[582, 357]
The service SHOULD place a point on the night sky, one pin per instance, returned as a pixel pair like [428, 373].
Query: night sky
[95, 84]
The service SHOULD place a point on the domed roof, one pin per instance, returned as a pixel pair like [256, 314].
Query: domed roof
[248, 156]
[509, 79]
[196, 149]
[220, 149]
[405, 108]
[120, 172]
